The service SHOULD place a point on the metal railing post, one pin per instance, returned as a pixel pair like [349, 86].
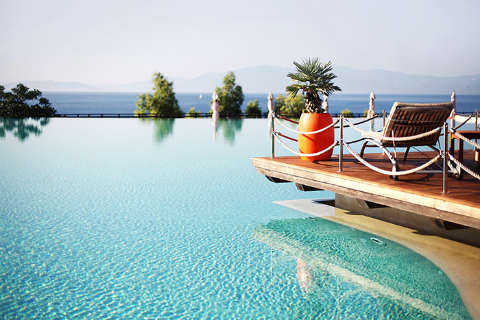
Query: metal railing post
[445, 155]
[273, 136]
[340, 153]
[477, 152]
[476, 120]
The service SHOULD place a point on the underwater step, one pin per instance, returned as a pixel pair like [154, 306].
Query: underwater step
[367, 267]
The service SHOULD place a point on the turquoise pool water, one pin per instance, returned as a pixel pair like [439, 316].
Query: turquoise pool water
[129, 218]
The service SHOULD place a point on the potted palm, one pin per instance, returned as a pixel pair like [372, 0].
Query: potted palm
[313, 78]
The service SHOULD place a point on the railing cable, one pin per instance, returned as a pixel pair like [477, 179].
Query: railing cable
[335, 143]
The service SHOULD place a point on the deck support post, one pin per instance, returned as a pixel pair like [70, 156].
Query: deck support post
[273, 135]
[445, 155]
[340, 153]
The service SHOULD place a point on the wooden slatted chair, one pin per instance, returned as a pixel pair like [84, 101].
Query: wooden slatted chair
[409, 125]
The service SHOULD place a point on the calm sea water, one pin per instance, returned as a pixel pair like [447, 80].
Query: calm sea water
[125, 102]
[168, 219]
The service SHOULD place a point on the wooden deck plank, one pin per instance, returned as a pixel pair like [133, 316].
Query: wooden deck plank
[417, 193]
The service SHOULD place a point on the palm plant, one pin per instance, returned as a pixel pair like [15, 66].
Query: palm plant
[312, 77]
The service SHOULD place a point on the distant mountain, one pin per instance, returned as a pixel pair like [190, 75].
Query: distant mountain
[261, 79]
[272, 78]
[253, 80]
[388, 82]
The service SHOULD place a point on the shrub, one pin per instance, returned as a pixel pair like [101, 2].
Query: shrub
[252, 110]
[347, 113]
[192, 113]
[290, 106]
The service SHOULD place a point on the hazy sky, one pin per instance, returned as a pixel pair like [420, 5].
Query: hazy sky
[125, 41]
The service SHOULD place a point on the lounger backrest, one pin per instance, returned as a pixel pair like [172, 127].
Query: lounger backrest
[409, 119]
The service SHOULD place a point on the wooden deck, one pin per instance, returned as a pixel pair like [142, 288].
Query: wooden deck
[416, 193]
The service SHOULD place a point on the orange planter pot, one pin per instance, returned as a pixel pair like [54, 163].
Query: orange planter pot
[313, 143]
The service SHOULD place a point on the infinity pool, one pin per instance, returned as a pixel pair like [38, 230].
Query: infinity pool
[164, 219]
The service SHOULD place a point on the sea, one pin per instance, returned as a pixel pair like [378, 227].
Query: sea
[96, 102]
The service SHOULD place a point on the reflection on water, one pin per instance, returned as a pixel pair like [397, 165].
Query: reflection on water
[215, 127]
[162, 128]
[344, 274]
[304, 275]
[230, 127]
[22, 128]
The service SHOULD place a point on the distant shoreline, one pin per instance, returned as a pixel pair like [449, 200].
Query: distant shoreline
[257, 93]
[124, 102]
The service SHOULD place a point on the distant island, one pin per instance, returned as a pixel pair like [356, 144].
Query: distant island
[273, 78]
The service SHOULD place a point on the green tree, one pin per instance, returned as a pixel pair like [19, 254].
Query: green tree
[290, 106]
[192, 113]
[312, 77]
[365, 113]
[23, 102]
[253, 110]
[347, 113]
[230, 97]
[162, 103]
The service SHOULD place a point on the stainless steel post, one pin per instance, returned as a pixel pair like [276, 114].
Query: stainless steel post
[445, 155]
[476, 120]
[340, 153]
[273, 136]
[477, 152]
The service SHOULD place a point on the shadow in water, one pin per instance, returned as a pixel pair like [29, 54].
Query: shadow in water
[346, 273]
[22, 128]
[162, 128]
[230, 127]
